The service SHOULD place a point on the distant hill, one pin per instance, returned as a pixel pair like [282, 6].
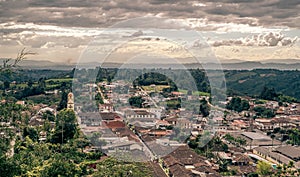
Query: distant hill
[43, 64]
[233, 64]
[282, 61]
[251, 82]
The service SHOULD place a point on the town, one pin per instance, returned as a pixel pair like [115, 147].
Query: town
[148, 123]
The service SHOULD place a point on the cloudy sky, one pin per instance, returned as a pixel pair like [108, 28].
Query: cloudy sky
[61, 31]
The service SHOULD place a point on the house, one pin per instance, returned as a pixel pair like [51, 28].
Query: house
[162, 124]
[145, 122]
[106, 107]
[139, 113]
[258, 139]
[281, 155]
[125, 146]
[157, 111]
[20, 102]
[172, 119]
[159, 133]
[108, 116]
[240, 159]
[239, 124]
[184, 162]
[281, 111]
[36, 121]
[126, 132]
[270, 124]
[218, 120]
[264, 124]
[113, 125]
[47, 109]
[90, 119]
[156, 170]
[291, 152]
[180, 122]
[220, 128]
[184, 123]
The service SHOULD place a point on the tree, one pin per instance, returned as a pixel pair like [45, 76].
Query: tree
[272, 136]
[48, 115]
[223, 165]
[204, 108]
[268, 94]
[264, 168]
[174, 104]
[99, 98]
[42, 83]
[112, 167]
[65, 126]
[64, 101]
[31, 132]
[30, 83]
[9, 64]
[252, 175]
[81, 143]
[136, 101]
[7, 167]
[237, 104]
[60, 166]
[264, 112]
[6, 84]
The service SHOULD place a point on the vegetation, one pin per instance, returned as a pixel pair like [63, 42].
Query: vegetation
[287, 170]
[268, 94]
[62, 153]
[204, 108]
[9, 64]
[263, 112]
[237, 141]
[112, 167]
[203, 145]
[238, 105]
[174, 104]
[136, 101]
[99, 99]
[65, 126]
[264, 168]
[252, 82]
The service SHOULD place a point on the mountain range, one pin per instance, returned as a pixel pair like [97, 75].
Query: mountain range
[231, 64]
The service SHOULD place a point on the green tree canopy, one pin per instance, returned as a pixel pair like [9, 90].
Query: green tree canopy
[65, 126]
[136, 101]
[268, 94]
[264, 168]
[113, 168]
[204, 108]
[238, 105]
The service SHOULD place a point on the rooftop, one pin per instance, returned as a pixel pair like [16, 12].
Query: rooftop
[256, 136]
[289, 151]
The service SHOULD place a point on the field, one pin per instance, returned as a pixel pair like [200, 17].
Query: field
[157, 88]
[60, 80]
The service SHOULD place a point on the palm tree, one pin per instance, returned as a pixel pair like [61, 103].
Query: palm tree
[272, 136]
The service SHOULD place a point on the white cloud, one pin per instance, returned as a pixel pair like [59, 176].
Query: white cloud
[265, 39]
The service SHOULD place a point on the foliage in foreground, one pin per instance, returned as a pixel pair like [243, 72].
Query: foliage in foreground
[111, 167]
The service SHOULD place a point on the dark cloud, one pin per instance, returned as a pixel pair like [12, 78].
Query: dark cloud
[103, 13]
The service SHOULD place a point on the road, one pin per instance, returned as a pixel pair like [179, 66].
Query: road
[145, 93]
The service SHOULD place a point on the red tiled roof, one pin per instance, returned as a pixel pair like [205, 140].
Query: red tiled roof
[114, 124]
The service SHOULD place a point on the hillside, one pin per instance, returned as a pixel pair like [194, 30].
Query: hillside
[252, 82]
